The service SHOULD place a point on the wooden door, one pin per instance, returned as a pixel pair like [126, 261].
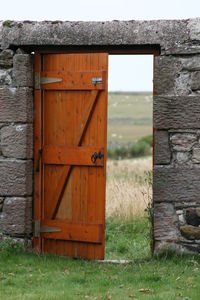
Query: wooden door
[70, 154]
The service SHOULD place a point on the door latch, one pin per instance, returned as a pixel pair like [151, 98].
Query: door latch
[96, 155]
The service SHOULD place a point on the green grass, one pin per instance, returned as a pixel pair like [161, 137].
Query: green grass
[127, 239]
[129, 117]
[28, 276]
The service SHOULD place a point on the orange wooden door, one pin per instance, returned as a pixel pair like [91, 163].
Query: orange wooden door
[70, 154]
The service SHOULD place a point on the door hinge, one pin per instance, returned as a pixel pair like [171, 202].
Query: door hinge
[39, 229]
[44, 80]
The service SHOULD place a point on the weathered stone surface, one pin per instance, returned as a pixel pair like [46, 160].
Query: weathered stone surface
[194, 28]
[17, 141]
[1, 32]
[183, 49]
[1, 203]
[16, 218]
[23, 70]
[196, 154]
[6, 58]
[192, 216]
[163, 32]
[195, 81]
[16, 105]
[162, 151]
[190, 232]
[175, 75]
[191, 63]
[181, 157]
[174, 247]
[16, 177]
[183, 141]
[165, 222]
[166, 72]
[5, 77]
[20, 51]
[181, 219]
[176, 112]
[176, 184]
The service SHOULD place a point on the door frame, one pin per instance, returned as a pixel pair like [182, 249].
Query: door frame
[128, 50]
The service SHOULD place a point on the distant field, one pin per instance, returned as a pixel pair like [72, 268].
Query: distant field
[129, 117]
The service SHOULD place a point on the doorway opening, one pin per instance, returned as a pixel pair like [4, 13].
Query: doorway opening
[129, 157]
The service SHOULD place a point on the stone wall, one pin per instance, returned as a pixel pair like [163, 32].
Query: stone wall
[16, 143]
[177, 152]
[176, 117]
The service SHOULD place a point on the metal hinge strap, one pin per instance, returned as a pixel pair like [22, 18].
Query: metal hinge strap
[44, 80]
[39, 229]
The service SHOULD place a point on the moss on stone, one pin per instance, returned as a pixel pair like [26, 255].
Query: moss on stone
[7, 23]
[190, 232]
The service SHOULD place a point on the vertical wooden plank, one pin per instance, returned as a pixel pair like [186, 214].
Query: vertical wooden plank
[101, 139]
[92, 63]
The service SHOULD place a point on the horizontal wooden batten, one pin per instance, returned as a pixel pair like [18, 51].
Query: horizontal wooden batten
[61, 80]
[80, 156]
[73, 232]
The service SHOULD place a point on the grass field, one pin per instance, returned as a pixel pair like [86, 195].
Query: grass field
[129, 117]
[26, 276]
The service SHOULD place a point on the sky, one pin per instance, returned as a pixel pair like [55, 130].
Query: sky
[131, 73]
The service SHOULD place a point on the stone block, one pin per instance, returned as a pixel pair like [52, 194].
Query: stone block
[17, 141]
[165, 222]
[16, 218]
[162, 150]
[5, 77]
[194, 28]
[181, 158]
[6, 58]
[183, 49]
[183, 141]
[166, 33]
[16, 177]
[190, 232]
[176, 184]
[195, 81]
[172, 247]
[196, 154]
[192, 216]
[23, 70]
[166, 72]
[16, 105]
[176, 112]
[190, 64]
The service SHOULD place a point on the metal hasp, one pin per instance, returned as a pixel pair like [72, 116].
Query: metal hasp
[39, 229]
[96, 80]
[44, 80]
[96, 155]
